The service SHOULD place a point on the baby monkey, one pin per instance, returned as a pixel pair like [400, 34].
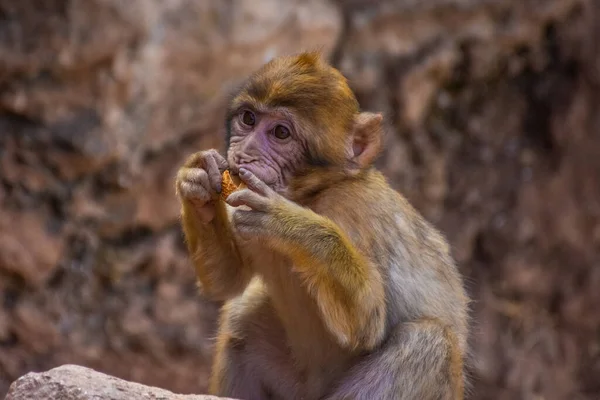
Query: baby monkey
[335, 287]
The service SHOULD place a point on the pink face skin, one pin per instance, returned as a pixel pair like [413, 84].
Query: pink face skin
[267, 144]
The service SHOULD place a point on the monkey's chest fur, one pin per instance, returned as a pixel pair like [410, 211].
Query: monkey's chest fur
[314, 356]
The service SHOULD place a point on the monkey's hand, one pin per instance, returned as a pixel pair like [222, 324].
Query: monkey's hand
[347, 287]
[262, 201]
[199, 182]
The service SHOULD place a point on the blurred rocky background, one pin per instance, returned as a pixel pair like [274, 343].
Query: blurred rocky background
[493, 109]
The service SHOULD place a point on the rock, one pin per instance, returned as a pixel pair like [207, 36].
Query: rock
[72, 382]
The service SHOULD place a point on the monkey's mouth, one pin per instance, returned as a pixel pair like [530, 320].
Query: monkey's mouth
[257, 169]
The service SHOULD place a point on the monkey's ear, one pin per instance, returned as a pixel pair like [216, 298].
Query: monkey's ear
[366, 138]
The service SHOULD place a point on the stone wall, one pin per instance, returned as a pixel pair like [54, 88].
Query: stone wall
[493, 111]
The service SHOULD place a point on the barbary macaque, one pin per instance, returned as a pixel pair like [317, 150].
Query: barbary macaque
[334, 286]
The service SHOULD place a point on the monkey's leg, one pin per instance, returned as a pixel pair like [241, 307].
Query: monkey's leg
[421, 360]
[252, 360]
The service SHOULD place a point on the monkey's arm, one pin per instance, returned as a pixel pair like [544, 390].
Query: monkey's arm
[347, 287]
[218, 264]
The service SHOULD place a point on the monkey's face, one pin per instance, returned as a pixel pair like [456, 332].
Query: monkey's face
[268, 143]
[294, 113]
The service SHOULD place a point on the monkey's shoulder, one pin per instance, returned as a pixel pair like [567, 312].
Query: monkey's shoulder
[366, 200]
[375, 215]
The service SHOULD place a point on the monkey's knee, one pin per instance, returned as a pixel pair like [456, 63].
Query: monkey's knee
[251, 360]
[430, 360]
[231, 375]
[420, 360]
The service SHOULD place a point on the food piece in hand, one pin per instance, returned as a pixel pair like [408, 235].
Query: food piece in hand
[230, 183]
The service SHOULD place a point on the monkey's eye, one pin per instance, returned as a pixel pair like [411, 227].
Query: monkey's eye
[248, 118]
[281, 132]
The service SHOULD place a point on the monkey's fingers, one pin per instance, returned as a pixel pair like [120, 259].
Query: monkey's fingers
[246, 197]
[213, 171]
[253, 182]
[193, 191]
[194, 175]
[198, 160]
[221, 161]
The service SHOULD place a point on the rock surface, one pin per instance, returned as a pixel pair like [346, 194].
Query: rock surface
[493, 110]
[72, 382]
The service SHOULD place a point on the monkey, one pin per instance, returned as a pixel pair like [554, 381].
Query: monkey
[333, 286]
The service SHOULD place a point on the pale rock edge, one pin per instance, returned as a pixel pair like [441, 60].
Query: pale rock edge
[73, 382]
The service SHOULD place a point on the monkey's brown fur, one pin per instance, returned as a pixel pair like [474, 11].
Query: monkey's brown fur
[348, 293]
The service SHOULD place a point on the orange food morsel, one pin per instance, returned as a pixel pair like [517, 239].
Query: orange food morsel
[229, 184]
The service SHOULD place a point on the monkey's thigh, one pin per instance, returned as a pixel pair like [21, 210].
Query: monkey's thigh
[252, 360]
[420, 360]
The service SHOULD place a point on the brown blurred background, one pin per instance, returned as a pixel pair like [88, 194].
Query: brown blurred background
[493, 109]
